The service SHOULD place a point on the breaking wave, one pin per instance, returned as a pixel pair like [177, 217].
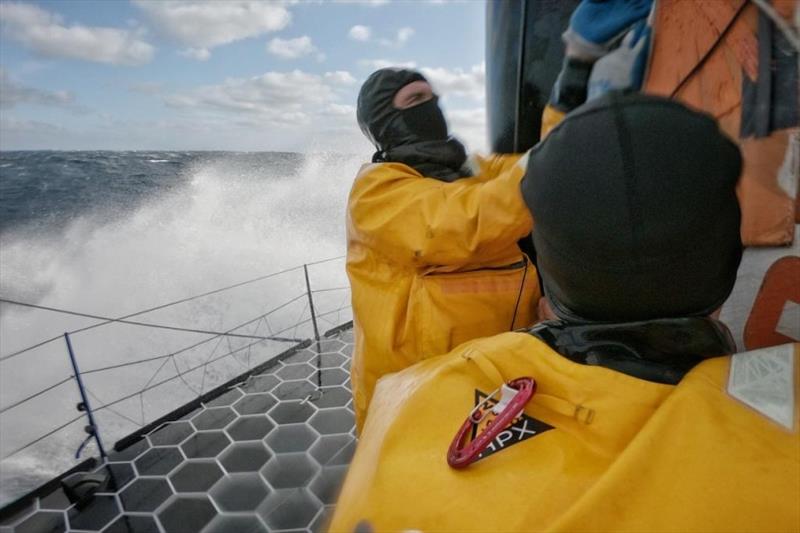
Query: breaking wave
[223, 219]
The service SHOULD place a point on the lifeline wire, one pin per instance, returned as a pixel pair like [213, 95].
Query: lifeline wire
[330, 290]
[56, 430]
[34, 395]
[192, 369]
[179, 374]
[167, 380]
[203, 365]
[169, 304]
[145, 324]
[121, 365]
[146, 388]
[195, 345]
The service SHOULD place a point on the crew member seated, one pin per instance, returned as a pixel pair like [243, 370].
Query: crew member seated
[432, 251]
[627, 411]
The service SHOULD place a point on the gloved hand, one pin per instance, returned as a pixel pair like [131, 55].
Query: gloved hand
[623, 67]
[596, 26]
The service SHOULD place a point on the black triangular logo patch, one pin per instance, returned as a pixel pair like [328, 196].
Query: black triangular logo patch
[522, 428]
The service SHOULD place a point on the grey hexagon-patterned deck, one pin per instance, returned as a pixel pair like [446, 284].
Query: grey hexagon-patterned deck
[268, 454]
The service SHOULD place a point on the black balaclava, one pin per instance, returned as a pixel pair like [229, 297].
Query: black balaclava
[416, 136]
[636, 216]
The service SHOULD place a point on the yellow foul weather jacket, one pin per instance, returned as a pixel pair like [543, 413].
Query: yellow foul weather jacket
[433, 264]
[594, 449]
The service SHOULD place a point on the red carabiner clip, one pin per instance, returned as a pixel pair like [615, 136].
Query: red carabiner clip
[460, 456]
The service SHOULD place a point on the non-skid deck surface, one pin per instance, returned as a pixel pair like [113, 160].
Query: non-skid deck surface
[262, 456]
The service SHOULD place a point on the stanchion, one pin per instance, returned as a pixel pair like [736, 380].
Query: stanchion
[316, 330]
[91, 429]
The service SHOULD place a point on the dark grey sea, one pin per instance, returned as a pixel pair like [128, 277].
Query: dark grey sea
[47, 188]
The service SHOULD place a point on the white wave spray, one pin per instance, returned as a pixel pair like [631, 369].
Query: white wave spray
[229, 223]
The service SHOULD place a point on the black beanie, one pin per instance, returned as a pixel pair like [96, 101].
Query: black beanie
[635, 212]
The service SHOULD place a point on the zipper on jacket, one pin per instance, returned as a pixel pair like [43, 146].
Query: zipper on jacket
[512, 266]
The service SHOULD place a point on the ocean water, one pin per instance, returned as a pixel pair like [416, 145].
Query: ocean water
[114, 233]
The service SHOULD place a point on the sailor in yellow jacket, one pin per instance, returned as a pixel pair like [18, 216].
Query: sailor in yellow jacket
[640, 420]
[432, 252]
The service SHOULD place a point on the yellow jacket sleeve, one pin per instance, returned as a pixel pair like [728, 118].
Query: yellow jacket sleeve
[551, 117]
[422, 221]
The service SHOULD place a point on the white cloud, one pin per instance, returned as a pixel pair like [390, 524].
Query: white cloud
[20, 134]
[364, 34]
[292, 48]
[278, 110]
[404, 34]
[372, 3]
[401, 38]
[45, 33]
[204, 25]
[376, 64]
[288, 98]
[468, 118]
[360, 33]
[342, 110]
[469, 83]
[13, 93]
[340, 77]
[200, 54]
[469, 125]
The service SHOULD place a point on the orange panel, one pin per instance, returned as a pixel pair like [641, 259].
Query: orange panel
[701, 51]
[717, 87]
[684, 34]
[780, 286]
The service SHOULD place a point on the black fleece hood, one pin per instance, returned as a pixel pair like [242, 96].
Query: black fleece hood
[377, 117]
[636, 216]
[416, 136]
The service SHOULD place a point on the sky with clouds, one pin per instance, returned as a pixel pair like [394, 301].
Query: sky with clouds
[227, 75]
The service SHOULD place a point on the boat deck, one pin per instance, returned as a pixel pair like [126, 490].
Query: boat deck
[267, 454]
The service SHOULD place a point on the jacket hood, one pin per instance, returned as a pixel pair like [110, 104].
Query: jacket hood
[377, 116]
[416, 136]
